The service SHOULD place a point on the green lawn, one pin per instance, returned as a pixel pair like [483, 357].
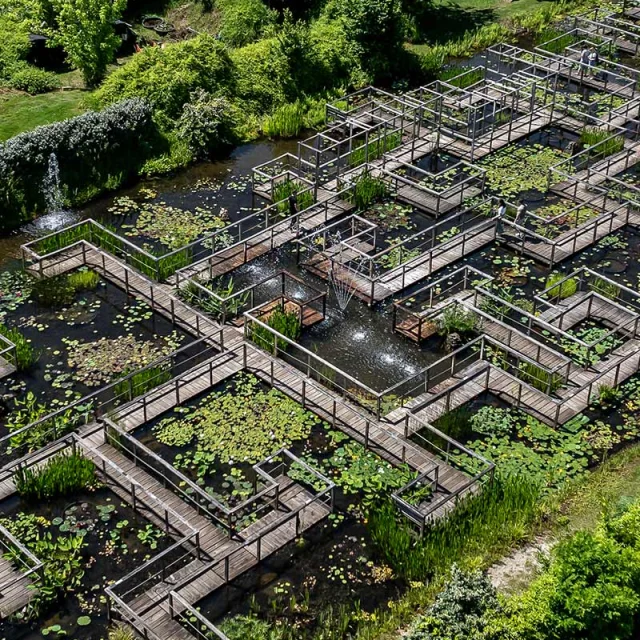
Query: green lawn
[20, 112]
[451, 19]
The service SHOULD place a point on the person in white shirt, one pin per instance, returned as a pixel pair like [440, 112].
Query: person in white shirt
[502, 212]
[593, 60]
[519, 219]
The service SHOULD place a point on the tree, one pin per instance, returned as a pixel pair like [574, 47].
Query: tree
[85, 31]
[377, 27]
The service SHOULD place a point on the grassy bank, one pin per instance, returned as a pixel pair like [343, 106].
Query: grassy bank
[579, 507]
[21, 112]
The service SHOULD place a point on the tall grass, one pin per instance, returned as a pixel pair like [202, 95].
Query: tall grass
[561, 39]
[605, 288]
[601, 141]
[63, 475]
[367, 190]
[498, 514]
[282, 191]
[287, 121]
[560, 291]
[83, 280]
[285, 322]
[140, 382]
[290, 120]
[61, 239]
[374, 149]
[461, 77]
[25, 354]
[539, 378]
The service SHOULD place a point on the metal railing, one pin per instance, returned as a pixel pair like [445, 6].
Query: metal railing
[224, 308]
[24, 560]
[16, 445]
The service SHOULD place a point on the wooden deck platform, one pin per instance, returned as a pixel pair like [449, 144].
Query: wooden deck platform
[412, 271]
[17, 593]
[310, 316]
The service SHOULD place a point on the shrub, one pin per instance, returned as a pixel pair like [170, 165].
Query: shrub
[244, 21]
[456, 319]
[25, 353]
[61, 476]
[93, 150]
[166, 77]
[458, 607]
[207, 124]
[33, 80]
[262, 75]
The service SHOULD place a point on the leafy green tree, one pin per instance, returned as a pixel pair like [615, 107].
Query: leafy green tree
[85, 31]
[377, 28]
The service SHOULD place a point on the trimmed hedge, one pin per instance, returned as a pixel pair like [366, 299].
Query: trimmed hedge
[96, 150]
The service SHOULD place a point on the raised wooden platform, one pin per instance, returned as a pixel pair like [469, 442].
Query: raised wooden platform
[20, 592]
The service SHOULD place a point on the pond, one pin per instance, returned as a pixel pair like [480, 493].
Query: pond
[216, 439]
[82, 339]
[112, 539]
[212, 186]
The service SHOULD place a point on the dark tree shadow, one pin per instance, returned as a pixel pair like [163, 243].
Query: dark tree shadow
[441, 23]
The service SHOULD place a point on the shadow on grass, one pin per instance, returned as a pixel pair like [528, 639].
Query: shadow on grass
[444, 22]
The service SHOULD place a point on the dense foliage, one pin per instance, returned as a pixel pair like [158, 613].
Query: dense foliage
[589, 591]
[93, 151]
[85, 30]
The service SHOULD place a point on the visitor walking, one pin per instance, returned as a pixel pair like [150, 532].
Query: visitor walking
[593, 60]
[502, 212]
[584, 57]
[519, 219]
[293, 211]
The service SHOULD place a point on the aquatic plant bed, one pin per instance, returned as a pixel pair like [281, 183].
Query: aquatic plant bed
[520, 170]
[333, 567]
[519, 443]
[86, 541]
[216, 441]
[81, 341]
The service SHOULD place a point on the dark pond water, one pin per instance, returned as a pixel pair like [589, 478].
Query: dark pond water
[222, 184]
[112, 549]
[331, 565]
[107, 313]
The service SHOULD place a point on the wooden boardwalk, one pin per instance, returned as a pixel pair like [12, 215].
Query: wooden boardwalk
[568, 243]
[191, 384]
[436, 205]
[18, 592]
[263, 242]
[412, 271]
